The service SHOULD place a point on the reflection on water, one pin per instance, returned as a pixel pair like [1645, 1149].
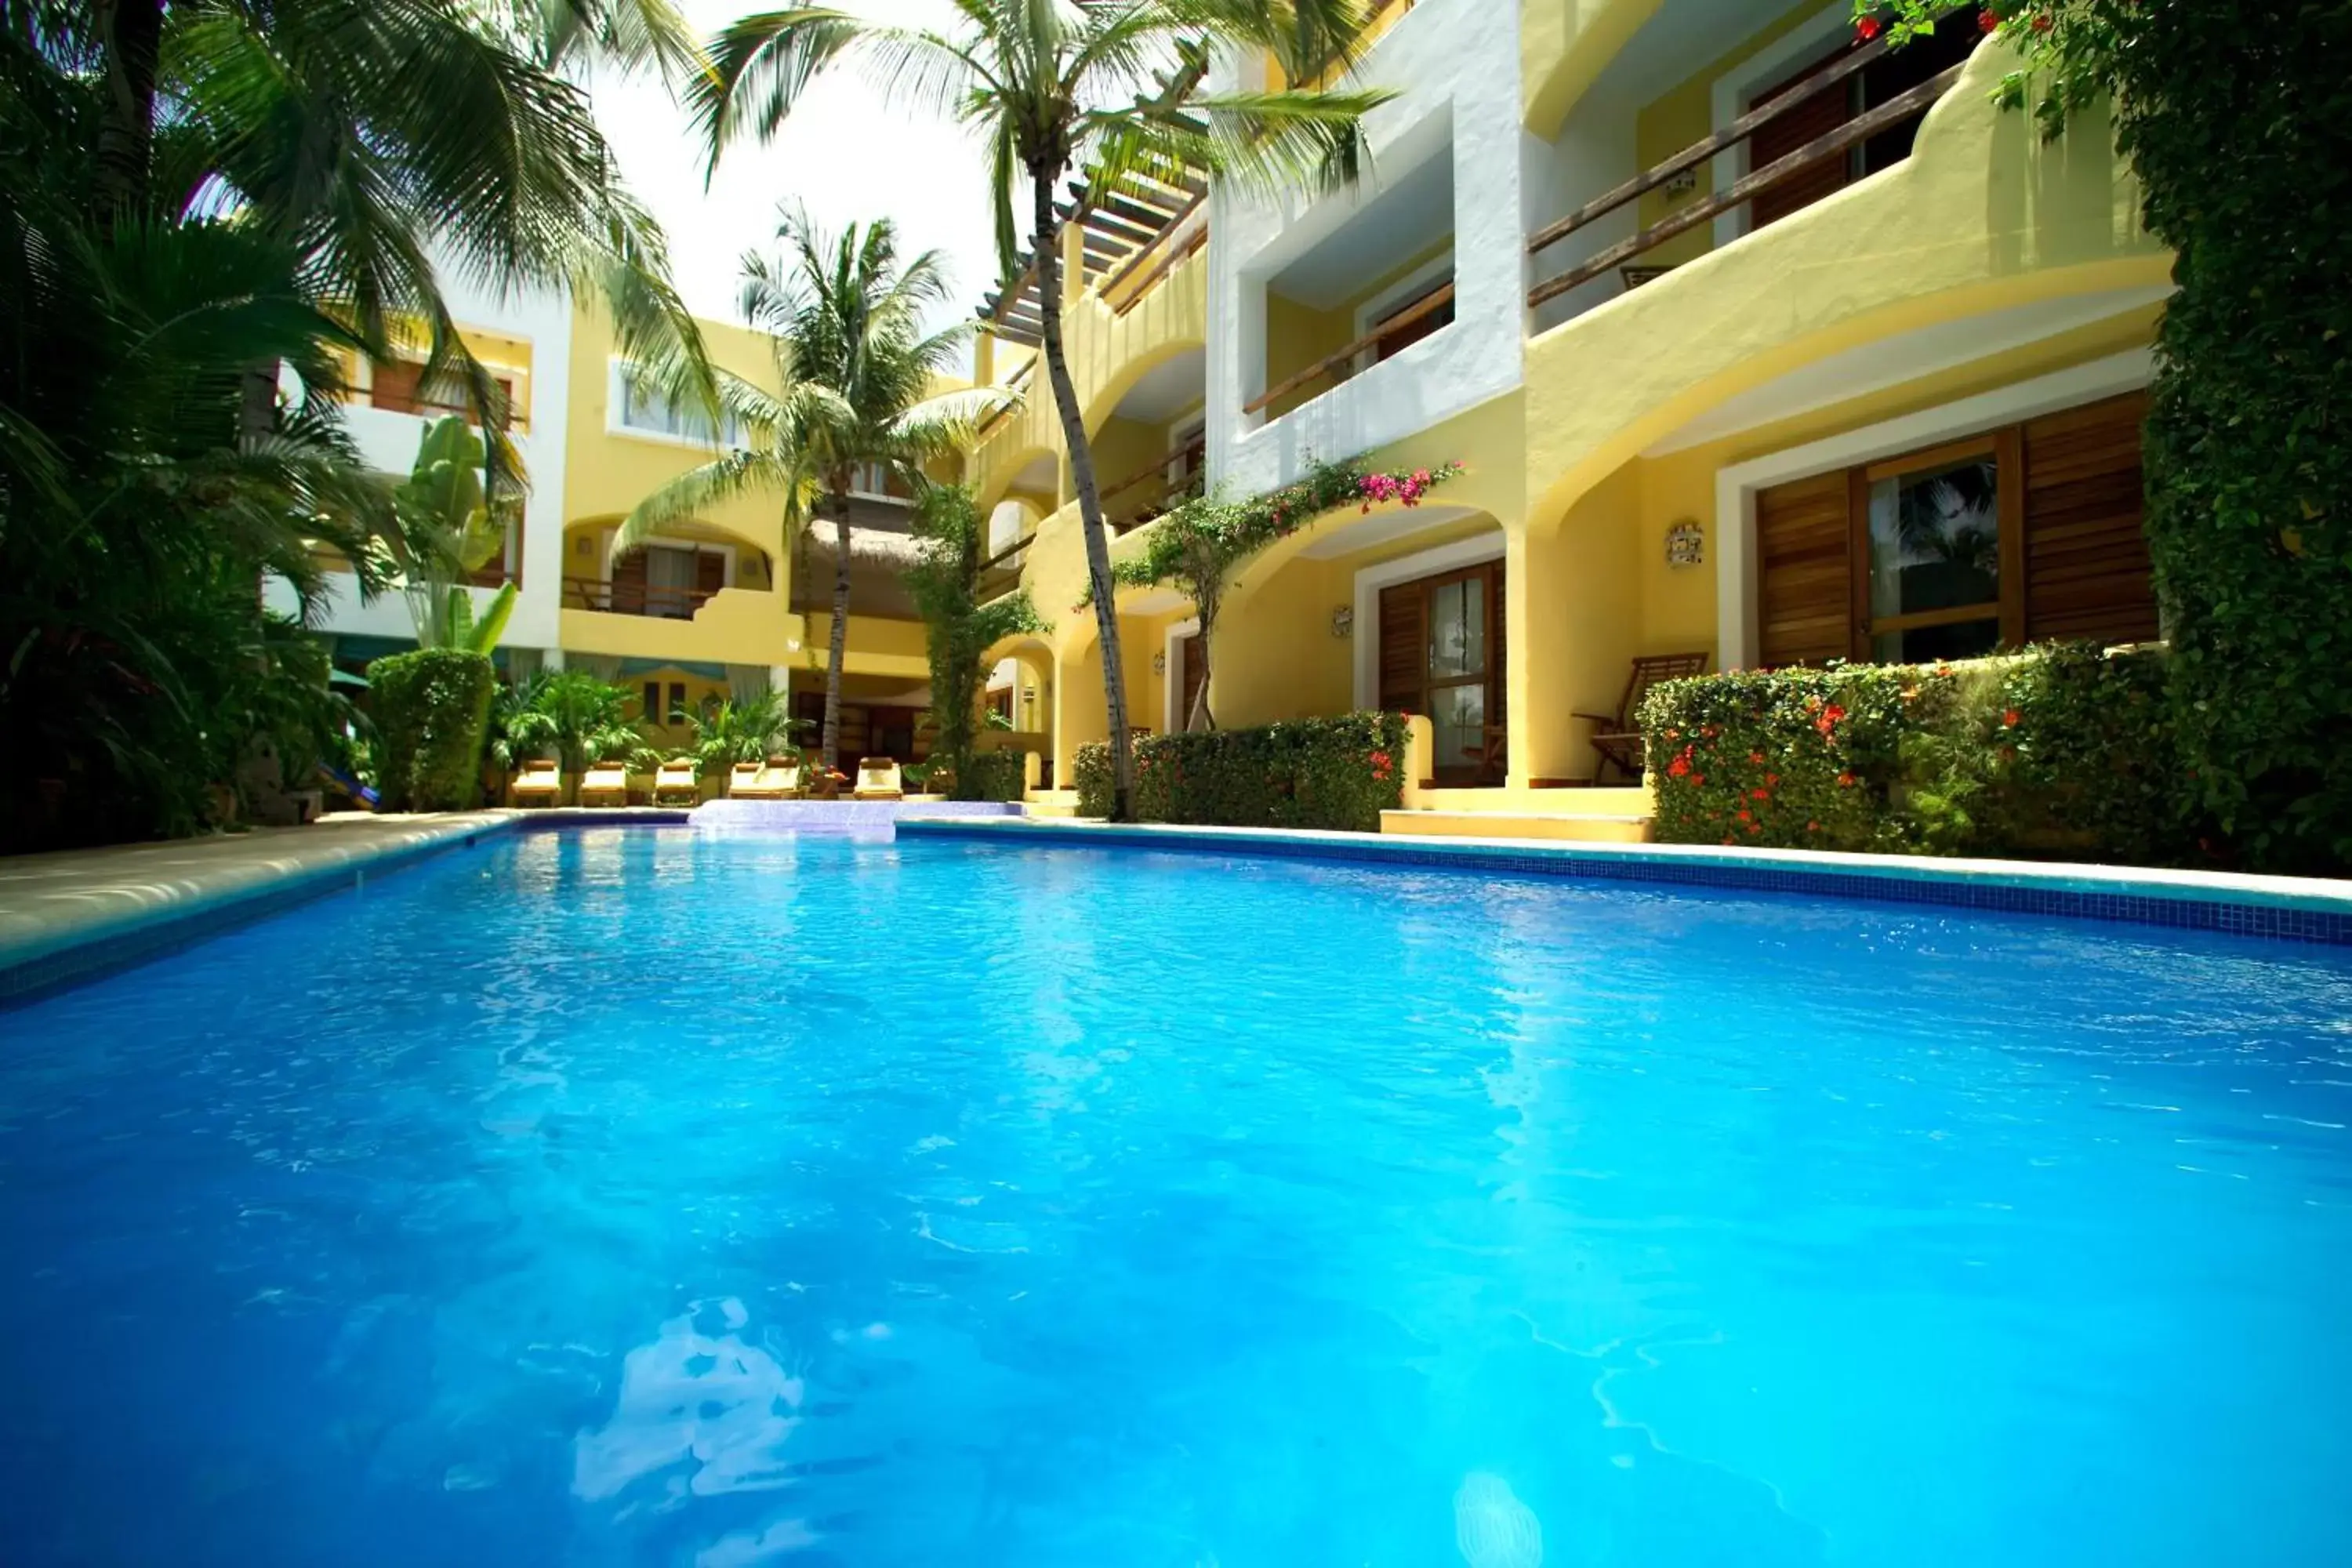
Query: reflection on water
[704, 1403]
[1493, 1528]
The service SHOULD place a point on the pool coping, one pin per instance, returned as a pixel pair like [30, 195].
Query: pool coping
[91, 919]
[2281, 909]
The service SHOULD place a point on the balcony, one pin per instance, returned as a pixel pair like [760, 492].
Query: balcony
[1850, 110]
[1134, 296]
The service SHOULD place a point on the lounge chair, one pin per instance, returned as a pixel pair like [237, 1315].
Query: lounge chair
[676, 777]
[1619, 741]
[877, 779]
[774, 779]
[539, 783]
[605, 783]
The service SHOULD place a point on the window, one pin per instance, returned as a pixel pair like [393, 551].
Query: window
[647, 412]
[2024, 532]
[877, 479]
[649, 706]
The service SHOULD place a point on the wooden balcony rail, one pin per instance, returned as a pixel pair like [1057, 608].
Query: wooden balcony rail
[494, 574]
[1860, 128]
[1332, 363]
[634, 598]
[1183, 486]
[1171, 256]
[1001, 573]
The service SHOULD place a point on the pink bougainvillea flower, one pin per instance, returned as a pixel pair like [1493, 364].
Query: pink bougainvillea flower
[1987, 21]
[2009, 718]
[1867, 29]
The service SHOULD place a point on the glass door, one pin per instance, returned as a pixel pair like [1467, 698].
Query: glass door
[1459, 673]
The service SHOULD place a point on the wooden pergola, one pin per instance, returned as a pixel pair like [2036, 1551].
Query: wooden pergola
[1123, 222]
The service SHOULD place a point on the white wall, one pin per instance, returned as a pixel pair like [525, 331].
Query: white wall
[1455, 64]
[388, 442]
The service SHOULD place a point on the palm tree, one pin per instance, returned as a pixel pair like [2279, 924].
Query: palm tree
[1053, 85]
[380, 138]
[855, 367]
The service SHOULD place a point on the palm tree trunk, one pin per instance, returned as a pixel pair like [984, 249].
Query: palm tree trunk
[131, 33]
[1082, 474]
[837, 640]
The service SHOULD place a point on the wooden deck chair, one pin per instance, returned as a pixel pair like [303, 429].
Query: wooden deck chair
[1619, 738]
[877, 779]
[743, 780]
[676, 777]
[537, 783]
[605, 783]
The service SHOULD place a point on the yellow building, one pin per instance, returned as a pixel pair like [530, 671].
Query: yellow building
[1758, 343]
[721, 604]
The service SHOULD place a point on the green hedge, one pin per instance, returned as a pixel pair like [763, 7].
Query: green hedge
[996, 775]
[1337, 774]
[432, 711]
[2059, 751]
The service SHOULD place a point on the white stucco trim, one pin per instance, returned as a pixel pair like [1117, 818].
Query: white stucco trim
[1735, 486]
[1171, 684]
[1404, 569]
[1768, 65]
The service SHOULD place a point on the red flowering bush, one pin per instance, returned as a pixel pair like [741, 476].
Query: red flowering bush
[1337, 774]
[2058, 751]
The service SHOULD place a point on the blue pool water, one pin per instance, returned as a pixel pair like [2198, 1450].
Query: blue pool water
[612, 1197]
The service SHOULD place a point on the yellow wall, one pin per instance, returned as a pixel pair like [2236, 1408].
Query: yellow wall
[1686, 114]
[877, 646]
[608, 472]
[1564, 46]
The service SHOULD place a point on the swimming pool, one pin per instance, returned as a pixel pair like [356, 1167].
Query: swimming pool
[641, 1197]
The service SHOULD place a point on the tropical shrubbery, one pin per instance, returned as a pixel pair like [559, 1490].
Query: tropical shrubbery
[2232, 119]
[2059, 751]
[432, 710]
[1336, 773]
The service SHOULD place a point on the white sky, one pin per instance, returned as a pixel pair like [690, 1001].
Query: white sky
[843, 153]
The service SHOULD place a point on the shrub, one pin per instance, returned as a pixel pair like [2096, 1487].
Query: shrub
[2057, 750]
[432, 711]
[992, 775]
[1338, 773]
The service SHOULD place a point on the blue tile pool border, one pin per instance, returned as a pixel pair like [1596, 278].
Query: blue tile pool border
[2251, 907]
[143, 937]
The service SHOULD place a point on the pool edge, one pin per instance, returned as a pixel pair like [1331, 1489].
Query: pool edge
[148, 919]
[2278, 908]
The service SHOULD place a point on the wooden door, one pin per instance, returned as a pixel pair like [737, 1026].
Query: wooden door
[1393, 342]
[1818, 115]
[1805, 577]
[2086, 565]
[709, 572]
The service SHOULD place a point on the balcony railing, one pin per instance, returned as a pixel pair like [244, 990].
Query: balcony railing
[1861, 127]
[634, 598]
[1340, 364]
[1151, 492]
[1001, 573]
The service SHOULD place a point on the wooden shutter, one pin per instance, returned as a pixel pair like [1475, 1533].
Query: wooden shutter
[1404, 649]
[1816, 117]
[2086, 567]
[394, 385]
[1805, 571]
[628, 597]
[710, 571]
